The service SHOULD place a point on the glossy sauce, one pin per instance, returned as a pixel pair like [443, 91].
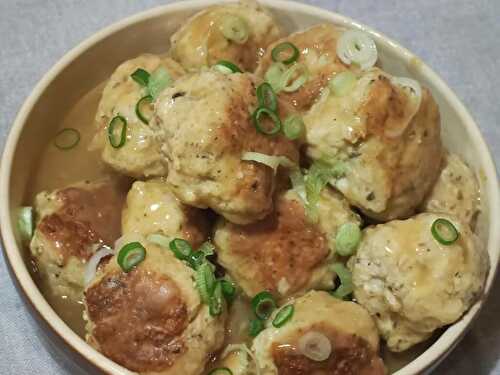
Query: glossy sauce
[58, 168]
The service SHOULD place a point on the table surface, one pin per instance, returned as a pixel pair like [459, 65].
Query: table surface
[458, 38]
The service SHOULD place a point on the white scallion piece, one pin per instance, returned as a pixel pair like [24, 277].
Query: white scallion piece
[91, 267]
[357, 47]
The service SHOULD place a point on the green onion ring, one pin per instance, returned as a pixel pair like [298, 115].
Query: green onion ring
[67, 138]
[234, 28]
[272, 115]
[111, 131]
[263, 305]
[256, 327]
[205, 282]
[345, 288]
[283, 316]
[285, 47]
[293, 127]
[131, 255]
[227, 67]
[444, 231]
[347, 239]
[297, 82]
[25, 223]
[196, 259]
[216, 301]
[181, 248]
[146, 99]
[141, 77]
[266, 97]
[221, 371]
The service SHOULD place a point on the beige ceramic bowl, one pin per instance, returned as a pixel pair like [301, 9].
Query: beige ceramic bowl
[93, 61]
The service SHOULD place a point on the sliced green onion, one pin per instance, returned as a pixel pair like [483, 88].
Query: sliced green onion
[67, 138]
[216, 304]
[266, 97]
[207, 248]
[131, 255]
[317, 178]
[227, 67]
[274, 76]
[221, 371]
[293, 127]
[345, 288]
[160, 239]
[444, 231]
[256, 327]
[296, 81]
[141, 77]
[117, 120]
[285, 53]
[181, 248]
[357, 47]
[196, 259]
[261, 128]
[205, 282]
[343, 83]
[148, 99]
[234, 28]
[263, 305]
[228, 289]
[159, 80]
[283, 316]
[271, 161]
[25, 223]
[347, 239]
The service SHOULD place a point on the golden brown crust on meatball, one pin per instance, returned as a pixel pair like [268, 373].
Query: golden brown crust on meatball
[285, 245]
[318, 52]
[351, 355]
[86, 217]
[137, 318]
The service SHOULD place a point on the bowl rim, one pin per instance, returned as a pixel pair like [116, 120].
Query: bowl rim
[427, 360]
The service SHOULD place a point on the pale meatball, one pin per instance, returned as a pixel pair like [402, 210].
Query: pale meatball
[72, 223]
[151, 208]
[285, 253]
[204, 122]
[151, 320]
[456, 191]
[324, 336]
[139, 156]
[387, 140]
[201, 41]
[318, 54]
[413, 285]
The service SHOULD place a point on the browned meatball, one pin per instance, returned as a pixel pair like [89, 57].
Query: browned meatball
[205, 124]
[151, 319]
[73, 223]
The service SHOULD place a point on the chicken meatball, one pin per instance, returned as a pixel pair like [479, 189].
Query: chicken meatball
[285, 253]
[324, 336]
[204, 122]
[234, 32]
[72, 224]
[318, 57]
[411, 283]
[139, 156]
[152, 208]
[151, 320]
[456, 192]
[387, 138]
